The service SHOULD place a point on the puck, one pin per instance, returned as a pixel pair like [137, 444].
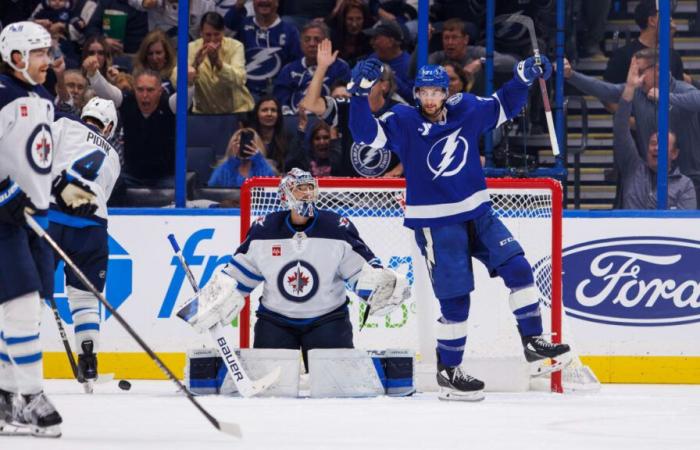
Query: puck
[124, 385]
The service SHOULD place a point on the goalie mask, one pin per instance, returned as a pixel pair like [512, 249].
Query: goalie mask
[103, 111]
[294, 196]
[23, 37]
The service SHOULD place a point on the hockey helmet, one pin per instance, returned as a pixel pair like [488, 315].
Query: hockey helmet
[23, 37]
[103, 111]
[430, 75]
[295, 178]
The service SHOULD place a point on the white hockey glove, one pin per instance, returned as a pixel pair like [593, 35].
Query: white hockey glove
[383, 289]
[217, 302]
[73, 196]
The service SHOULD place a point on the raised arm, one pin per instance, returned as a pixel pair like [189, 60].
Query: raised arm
[624, 146]
[313, 100]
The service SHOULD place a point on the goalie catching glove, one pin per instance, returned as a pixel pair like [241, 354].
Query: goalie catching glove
[73, 196]
[383, 289]
[217, 302]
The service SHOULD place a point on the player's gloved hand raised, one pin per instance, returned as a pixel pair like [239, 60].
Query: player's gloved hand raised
[13, 202]
[528, 71]
[364, 75]
[73, 196]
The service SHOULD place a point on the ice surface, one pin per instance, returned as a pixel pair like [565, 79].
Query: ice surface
[153, 416]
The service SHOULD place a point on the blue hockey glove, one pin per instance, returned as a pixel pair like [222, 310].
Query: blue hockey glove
[527, 71]
[13, 202]
[364, 75]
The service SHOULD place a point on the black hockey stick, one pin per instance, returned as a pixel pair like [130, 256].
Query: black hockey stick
[64, 337]
[227, 427]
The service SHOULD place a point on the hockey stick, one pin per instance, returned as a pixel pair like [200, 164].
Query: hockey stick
[227, 427]
[529, 24]
[223, 338]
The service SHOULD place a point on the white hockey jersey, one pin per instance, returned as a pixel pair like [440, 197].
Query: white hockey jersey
[85, 154]
[26, 143]
[304, 272]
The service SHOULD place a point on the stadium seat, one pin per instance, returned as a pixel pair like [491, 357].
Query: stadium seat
[204, 130]
[200, 160]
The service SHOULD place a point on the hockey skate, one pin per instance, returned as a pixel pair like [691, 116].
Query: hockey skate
[454, 384]
[541, 354]
[39, 415]
[87, 366]
[9, 425]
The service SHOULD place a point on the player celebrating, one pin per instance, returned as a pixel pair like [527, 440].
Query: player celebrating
[305, 256]
[85, 170]
[447, 204]
[26, 262]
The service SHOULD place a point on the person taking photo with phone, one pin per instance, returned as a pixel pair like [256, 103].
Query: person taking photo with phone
[244, 159]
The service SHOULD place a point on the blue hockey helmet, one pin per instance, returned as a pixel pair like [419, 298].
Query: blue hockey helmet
[430, 75]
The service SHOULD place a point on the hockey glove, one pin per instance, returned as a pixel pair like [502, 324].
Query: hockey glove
[217, 302]
[383, 289]
[73, 196]
[528, 71]
[364, 75]
[13, 202]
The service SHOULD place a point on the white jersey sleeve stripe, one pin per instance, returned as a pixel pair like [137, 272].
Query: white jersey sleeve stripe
[447, 209]
[501, 112]
[380, 140]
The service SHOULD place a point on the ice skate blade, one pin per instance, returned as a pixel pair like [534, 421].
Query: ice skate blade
[46, 432]
[541, 367]
[8, 429]
[448, 394]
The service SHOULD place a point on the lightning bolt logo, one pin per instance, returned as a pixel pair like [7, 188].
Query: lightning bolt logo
[448, 147]
[258, 58]
[370, 155]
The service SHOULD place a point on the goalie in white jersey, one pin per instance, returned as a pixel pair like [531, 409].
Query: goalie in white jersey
[26, 262]
[85, 169]
[305, 257]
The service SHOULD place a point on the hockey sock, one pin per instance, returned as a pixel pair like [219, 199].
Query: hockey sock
[7, 375]
[86, 317]
[22, 316]
[451, 331]
[517, 275]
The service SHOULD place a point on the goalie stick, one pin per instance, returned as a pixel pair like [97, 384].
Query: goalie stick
[224, 343]
[226, 427]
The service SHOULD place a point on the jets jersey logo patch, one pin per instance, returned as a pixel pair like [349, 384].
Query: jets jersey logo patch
[298, 281]
[260, 221]
[344, 222]
[368, 161]
[277, 250]
[448, 156]
[40, 149]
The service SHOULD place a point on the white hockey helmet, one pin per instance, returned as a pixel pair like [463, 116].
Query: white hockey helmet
[295, 178]
[23, 37]
[103, 111]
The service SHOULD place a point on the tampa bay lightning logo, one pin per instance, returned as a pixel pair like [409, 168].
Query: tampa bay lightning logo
[40, 149]
[368, 161]
[448, 156]
[262, 63]
[298, 281]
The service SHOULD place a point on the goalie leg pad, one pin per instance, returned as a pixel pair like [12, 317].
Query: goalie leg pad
[259, 362]
[343, 373]
[395, 369]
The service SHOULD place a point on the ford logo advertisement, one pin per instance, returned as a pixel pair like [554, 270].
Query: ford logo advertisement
[643, 281]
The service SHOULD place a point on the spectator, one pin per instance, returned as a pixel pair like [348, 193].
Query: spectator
[269, 43]
[294, 78]
[638, 174]
[267, 121]
[16, 10]
[595, 17]
[71, 90]
[136, 27]
[220, 65]
[339, 89]
[237, 166]
[54, 15]
[162, 14]
[301, 12]
[157, 54]
[459, 80]
[148, 117]
[322, 156]
[647, 18]
[356, 160]
[683, 115]
[346, 30]
[96, 48]
[386, 39]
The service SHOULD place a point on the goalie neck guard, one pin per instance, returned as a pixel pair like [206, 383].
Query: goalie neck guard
[291, 183]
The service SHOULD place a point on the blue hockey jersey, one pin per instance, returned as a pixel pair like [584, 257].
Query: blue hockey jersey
[295, 77]
[445, 183]
[304, 272]
[267, 50]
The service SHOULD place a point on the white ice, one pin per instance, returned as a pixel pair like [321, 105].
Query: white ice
[153, 416]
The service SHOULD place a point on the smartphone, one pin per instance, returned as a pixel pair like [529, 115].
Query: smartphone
[246, 139]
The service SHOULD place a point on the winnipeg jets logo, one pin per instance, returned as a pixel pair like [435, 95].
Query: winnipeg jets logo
[298, 281]
[260, 221]
[262, 63]
[344, 222]
[40, 149]
[448, 156]
[424, 129]
[368, 161]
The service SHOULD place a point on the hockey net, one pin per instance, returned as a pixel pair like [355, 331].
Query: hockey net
[530, 208]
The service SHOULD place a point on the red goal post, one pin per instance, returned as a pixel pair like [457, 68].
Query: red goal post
[525, 203]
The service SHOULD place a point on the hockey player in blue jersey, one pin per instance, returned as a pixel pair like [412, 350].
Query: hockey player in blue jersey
[26, 262]
[85, 170]
[304, 256]
[448, 206]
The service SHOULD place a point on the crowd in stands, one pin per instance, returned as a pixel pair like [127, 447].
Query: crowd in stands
[277, 70]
